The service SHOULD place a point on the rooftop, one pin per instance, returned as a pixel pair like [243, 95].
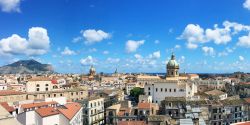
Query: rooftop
[215, 92]
[70, 110]
[10, 92]
[39, 79]
[48, 111]
[39, 104]
[7, 107]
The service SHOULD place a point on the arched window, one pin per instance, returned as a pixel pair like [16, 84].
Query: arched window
[46, 84]
[37, 85]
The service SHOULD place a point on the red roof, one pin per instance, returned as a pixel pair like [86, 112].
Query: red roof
[40, 104]
[144, 105]
[70, 110]
[10, 92]
[247, 100]
[48, 111]
[54, 81]
[7, 107]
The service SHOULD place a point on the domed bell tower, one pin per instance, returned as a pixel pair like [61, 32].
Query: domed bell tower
[172, 67]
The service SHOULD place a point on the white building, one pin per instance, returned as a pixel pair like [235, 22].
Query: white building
[50, 113]
[172, 86]
[93, 111]
[3, 86]
[38, 84]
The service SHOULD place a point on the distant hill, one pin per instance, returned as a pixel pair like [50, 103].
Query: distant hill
[26, 67]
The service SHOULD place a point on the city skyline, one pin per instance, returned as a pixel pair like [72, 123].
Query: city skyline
[132, 36]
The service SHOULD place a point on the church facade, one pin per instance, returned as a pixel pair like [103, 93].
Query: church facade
[172, 85]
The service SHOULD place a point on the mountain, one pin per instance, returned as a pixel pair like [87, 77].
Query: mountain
[26, 67]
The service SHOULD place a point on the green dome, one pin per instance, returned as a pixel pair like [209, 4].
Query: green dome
[172, 62]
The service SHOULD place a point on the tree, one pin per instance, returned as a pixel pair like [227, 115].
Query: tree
[135, 92]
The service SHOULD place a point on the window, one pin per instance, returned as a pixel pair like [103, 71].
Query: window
[156, 89]
[61, 94]
[54, 95]
[72, 93]
[46, 89]
[37, 85]
[170, 104]
[169, 90]
[37, 89]
[81, 93]
[174, 90]
[148, 93]
[148, 88]
[161, 89]
[47, 85]
[166, 89]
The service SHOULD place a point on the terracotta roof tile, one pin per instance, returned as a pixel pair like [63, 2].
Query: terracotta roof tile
[10, 92]
[39, 79]
[40, 104]
[70, 110]
[247, 100]
[144, 105]
[48, 111]
[7, 107]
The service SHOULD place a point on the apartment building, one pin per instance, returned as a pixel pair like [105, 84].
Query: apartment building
[93, 111]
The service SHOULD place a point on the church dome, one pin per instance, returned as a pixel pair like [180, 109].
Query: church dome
[172, 62]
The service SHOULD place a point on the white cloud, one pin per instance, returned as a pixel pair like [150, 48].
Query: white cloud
[138, 56]
[182, 59]
[88, 61]
[10, 5]
[246, 4]
[195, 35]
[236, 27]
[67, 51]
[132, 46]
[113, 60]
[157, 42]
[77, 39]
[105, 52]
[226, 52]
[244, 41]
[155, 55]
[177, 46]
[191, 45]
[241, 58]
[92, 36]
[218, 35]
[38, 43]
[208, 50]
[92, 50]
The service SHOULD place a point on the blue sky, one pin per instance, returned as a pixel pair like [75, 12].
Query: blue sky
[133, 36]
